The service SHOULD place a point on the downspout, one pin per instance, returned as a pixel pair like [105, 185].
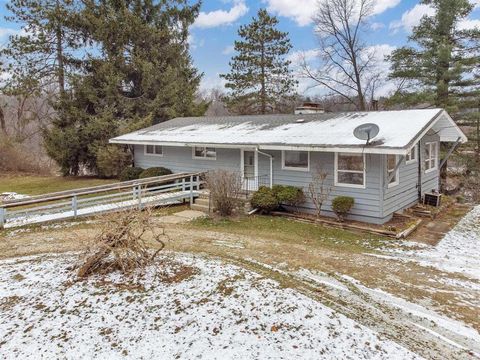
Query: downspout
[271, 165]
[419, 171]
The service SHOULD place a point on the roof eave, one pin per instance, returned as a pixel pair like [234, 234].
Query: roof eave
[337, 148]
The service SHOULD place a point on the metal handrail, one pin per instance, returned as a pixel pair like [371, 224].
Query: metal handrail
[150, 190]
[253, 183]
[94, 189]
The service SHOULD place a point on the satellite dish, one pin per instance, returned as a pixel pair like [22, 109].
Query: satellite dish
[366, 132]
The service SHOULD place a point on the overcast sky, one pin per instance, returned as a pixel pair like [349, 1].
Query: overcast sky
[215, 29]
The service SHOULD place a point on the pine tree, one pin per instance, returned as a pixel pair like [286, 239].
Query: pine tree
[42, 54]
[260, 78]
[437, 71]
[142, 74]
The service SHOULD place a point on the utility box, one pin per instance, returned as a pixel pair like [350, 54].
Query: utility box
[432, 199]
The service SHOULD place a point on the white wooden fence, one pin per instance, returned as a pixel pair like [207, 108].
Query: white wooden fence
[161, 190]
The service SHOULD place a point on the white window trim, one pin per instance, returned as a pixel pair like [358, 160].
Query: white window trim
[336, 183]
[397, 173]
[415, 152]
[435, 157]
[203, 157]
[149, 154]
[296, 168]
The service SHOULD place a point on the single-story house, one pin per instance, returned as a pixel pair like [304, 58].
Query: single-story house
[384, 175]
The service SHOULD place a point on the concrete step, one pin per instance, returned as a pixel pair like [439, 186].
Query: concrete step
[199, 207]
[202, 201]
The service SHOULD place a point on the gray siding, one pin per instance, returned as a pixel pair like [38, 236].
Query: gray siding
[376, 203]
[179, 159]
[367, 201]
[405, 194]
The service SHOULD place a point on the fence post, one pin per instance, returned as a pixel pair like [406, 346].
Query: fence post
[74, 205]
[139, 196]
[183, 184]
[191, 190]
[3, 213]
[134, 193]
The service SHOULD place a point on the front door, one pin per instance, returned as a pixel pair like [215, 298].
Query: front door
[249, 170]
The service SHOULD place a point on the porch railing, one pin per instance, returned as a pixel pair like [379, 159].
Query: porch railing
[251, 184]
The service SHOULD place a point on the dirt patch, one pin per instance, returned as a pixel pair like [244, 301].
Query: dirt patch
[432, 231]
[9, 302]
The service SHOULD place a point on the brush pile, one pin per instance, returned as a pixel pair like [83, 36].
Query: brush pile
[128, 241]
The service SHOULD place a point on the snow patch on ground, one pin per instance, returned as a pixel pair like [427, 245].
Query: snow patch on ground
[222, 311]
[322, 279]
[8, 196]
[459, 250]
[453, 326]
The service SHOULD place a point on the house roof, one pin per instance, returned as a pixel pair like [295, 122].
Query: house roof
[399, 131]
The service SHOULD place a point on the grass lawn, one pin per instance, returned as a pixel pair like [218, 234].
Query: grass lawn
[36, 185]
[289, 230]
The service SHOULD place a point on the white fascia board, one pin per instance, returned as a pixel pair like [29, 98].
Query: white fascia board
[163, 143]
[461, 135]
[365, 150]
[359, 150]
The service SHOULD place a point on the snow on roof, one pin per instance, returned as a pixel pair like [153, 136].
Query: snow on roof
[399, 130]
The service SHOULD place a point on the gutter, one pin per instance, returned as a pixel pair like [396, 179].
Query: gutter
[352, 149]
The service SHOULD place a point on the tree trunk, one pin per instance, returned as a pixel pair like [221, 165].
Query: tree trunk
[59, 55]
[263, 109]
[361, 98]
[3, 125]
[61, 69]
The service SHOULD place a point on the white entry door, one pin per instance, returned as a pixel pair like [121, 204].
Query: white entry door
[250, 170]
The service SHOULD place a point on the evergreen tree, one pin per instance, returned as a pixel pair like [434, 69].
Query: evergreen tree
[42, 54]
[437, 71]
[142, 74]
[260, 78]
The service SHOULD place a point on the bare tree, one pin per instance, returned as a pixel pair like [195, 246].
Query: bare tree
[346, 64]
[318, 189]
[225, 188]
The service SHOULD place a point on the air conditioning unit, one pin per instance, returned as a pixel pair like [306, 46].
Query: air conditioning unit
[432, 199]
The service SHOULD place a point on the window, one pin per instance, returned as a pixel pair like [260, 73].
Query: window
[412, 155]
[350, 170]
[431, 156]
[296, 160]
[204, 152]
[392, 161]
[154, 150]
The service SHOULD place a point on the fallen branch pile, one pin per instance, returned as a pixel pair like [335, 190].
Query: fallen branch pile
[122, 244]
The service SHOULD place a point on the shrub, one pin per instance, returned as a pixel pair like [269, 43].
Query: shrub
[16, 156]
[342, 205]
[130, 173]
[155, 171]
[111, 160]
[289, 195]
[265, 199]
[225, 187]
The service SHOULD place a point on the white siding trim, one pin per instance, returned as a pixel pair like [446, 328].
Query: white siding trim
[415, 151]
[335, 171]
[296, 168]
[397, 175]
[203, 157]
[150, 154]
[435, 158]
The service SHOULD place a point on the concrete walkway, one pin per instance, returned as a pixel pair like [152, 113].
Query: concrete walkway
[181, 217]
